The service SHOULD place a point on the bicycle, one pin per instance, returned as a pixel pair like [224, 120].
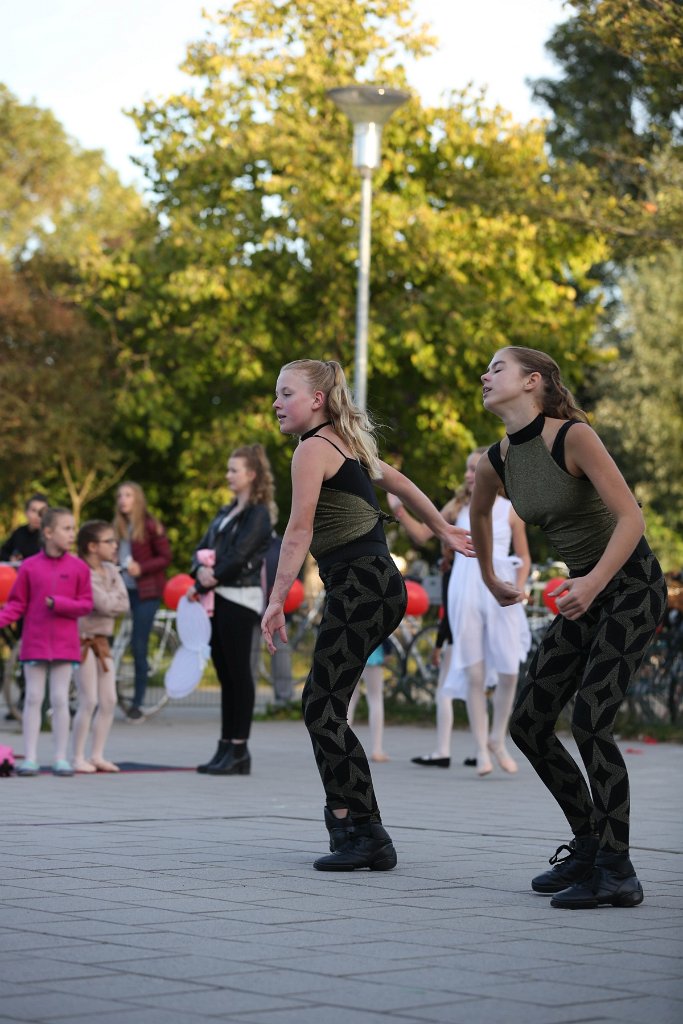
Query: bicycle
[656, 694]
[12, 676]
[163, 643]
[13, 685]
[409, 657]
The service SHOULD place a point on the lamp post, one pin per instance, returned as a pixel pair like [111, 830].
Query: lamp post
[368, 107]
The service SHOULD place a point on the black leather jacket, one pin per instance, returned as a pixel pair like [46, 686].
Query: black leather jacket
[240, 547]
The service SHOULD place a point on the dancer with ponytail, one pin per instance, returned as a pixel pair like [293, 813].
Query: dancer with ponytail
[335, 513]
[560, 477]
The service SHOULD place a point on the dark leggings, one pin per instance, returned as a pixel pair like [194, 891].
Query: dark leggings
[594, 657]
[232, 628]
[364, 602]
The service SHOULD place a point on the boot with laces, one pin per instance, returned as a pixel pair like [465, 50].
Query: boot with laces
[369, 846]
[576, 866]
[613, 883]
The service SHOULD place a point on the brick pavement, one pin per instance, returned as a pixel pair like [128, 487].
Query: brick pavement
[168, 897]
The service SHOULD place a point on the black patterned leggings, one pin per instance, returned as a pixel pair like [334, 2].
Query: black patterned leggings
[364, 602]
[594, 657]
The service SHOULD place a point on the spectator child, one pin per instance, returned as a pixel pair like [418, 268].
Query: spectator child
[51, 591]
[95, 676]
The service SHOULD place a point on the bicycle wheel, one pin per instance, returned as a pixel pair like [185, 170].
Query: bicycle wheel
[163, 643]
[676, 687]
[13, 684]
[648, 696]
[393, 669]
[421, 675]
[14, 689]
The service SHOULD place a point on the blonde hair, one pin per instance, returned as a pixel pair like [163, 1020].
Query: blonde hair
[451, 509]
[263, 488]
[136, 520]
[557, 400]
[353, 425]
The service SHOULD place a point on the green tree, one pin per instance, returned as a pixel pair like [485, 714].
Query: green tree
[639, 409]
[63, 212]
[616, 108]
[253, 262]
[56, 389]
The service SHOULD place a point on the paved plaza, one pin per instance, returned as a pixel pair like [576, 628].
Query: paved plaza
[165, 897]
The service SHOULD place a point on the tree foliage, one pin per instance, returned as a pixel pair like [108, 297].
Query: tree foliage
[62, 213]
[616, 107]
[253, 261]
[639, 409]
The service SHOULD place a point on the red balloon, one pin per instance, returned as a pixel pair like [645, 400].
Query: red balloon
[294, 597]
[548, 601]
[176, 588]
[7, 578]
[418, 598]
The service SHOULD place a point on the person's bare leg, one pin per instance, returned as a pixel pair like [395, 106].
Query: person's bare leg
[104, 717]
[374, 689]
[478, 715]
[503, 699]
[86, 682]
[444, 709]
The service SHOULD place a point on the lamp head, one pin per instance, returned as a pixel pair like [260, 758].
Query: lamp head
[368, 107]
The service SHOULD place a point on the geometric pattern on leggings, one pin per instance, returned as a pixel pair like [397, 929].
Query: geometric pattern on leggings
[364, 602]
[595, 658]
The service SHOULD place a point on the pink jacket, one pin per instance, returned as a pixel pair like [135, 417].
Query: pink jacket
[49, 634]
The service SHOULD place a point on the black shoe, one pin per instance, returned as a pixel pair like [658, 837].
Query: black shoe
[613, 883]
[135, 715]
[221, 751]
[369, 847]
[577, 866]
[432, 762]
[235, 761]
[470, 762]
[340, 829]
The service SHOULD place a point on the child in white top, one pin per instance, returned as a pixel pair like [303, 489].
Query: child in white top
[96, 677]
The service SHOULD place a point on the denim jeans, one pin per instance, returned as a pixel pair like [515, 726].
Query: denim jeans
[142, 614]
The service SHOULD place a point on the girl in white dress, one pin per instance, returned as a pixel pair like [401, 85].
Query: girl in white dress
[489, 641]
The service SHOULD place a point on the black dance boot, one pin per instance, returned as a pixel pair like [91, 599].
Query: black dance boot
[613, 883]
[235, 761]
[369, 846]
[340, 829]
[577, 866]
[221, 751]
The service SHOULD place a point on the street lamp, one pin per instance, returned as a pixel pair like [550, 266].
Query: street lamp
[368, 107]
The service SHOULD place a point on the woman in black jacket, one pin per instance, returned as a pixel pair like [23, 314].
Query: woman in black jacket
[239, 537]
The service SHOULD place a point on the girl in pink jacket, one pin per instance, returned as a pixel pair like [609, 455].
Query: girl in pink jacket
[51, 591]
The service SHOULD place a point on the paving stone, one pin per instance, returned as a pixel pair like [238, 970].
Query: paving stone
[161, 898]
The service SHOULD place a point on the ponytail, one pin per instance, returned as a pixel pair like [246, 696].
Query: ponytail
[354, 426]
[557, 400]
